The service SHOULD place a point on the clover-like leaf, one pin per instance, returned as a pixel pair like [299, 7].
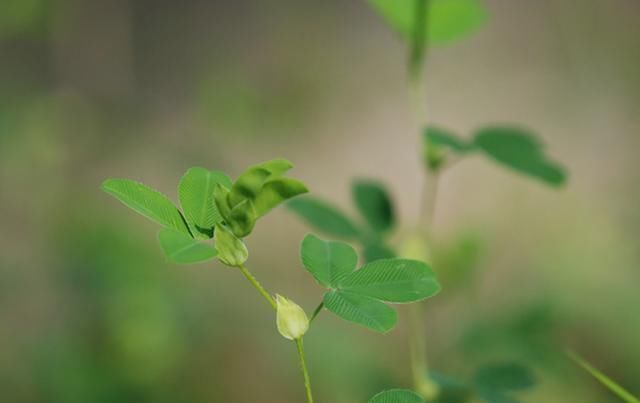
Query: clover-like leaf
[327, 261]
[148, 202]
[374, 203]
[324, 217]
[521, 151]
[181, 248]
[392, 280]
[397, 396]
[360, 309]
[195, 192]
[447, 20]
[276, 191]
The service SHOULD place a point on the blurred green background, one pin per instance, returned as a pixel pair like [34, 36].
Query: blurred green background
[90, 311]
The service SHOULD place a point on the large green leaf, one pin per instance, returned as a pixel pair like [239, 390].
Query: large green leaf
[327, 261]
[397, 396]
[195, 192]
[392, 280]
[324, 217]
[275, 191]
[146, 201]
[447, 20]
[181, 248]
[374, 204]
[609, 383]
[365, 311]
[519, 150]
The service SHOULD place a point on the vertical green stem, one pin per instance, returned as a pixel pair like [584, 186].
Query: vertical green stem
[305, 372]
[257, 285]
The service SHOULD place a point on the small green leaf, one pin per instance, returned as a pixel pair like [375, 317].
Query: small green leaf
[276, 191]
[195, 192]
[397, 396]
[231, 250]
[249, 183]
[324, 217]
[504, 377]
[447, 20]
[374, 204]
[519, 150]
[146, 201]
[392, 280]
[616, 389]
[242, 218]
[327, 261]
[181, 248]
[443, 138]
[362, 310]
[494, 396]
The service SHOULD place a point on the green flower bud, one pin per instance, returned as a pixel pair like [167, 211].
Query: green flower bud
[292, 321]
[231, 250]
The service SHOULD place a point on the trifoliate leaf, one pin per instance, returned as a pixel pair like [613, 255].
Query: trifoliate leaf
[146, 201]
[181, 248]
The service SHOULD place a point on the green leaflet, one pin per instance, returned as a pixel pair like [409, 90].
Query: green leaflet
[324, 217]
[249, 183]
[275, 191]
[146, 201]
[374, 203]
[327, 261]
[397, 396]
[393, 280]
[358, 296]
[195, 192]
[362, 310]
[616, 389]
[181, 248]
[519, 150]
[446, 20]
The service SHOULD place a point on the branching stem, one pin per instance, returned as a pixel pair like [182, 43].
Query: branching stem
[254, 281]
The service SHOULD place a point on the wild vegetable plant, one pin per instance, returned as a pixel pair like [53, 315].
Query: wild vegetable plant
[218, 213]
[422, 23]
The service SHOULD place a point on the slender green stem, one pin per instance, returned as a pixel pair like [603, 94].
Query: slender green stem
[257, 285]
[317, 311]
[305, 372]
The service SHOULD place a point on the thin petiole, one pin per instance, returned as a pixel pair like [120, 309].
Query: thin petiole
[316, 311]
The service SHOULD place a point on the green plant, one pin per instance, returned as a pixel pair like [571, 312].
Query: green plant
[215, 208]
[422, 23]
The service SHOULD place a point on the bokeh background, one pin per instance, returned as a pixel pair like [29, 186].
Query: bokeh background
[90, 311]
